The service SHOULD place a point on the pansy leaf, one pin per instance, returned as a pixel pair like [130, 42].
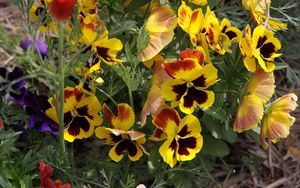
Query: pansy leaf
[214, 147]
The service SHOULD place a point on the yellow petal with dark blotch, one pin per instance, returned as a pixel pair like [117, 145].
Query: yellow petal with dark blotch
[167, 119]
[262, 84]
[196, 21]
[157, 41]
[114, 155]
[168, 151]
[206, 77]
[286, 103]
[189, 147]
[189, 126]
[108, 135]
[186, 69]
[173, 90]
[249, 113]
[161, 19]
[107, 50]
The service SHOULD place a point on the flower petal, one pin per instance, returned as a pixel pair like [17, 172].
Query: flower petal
[167, 120]
[189, 147]
[108, 135]
[167, 151]
[161, 19]
[249, 114]
[262, 85]
[173, 90]
[157, 41]
[286, 103]
[189, 126]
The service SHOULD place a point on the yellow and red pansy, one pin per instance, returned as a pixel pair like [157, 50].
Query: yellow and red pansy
[278, 121]
[260, 48]
[183, 141]
[190, 82]
[259, 90]
[159, 26]
[81, 114]
[120, 135]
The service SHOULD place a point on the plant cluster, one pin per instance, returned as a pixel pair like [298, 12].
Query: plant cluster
[138, 93]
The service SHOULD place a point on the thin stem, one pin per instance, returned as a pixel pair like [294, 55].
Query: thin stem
[106, 94]
[60, 94]
[130, 98]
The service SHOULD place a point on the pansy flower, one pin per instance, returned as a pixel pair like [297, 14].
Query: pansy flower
[193, 22]
[81, 114]
[39, 13]
[159, 26]
[36, 106]
[259, 13]
[259, 90]
[184, 140]
[278, 121]
[221, 36]
[87, 7]
[61, 9]
[191, 80]
[120, 135]
[261, 47]
[45, 176]
[39, 46]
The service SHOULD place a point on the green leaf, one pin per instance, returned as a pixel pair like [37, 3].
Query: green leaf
[214, 147]
[213, 3]
[135, 4]
[217, 113]
[281, 66]
[218, 129]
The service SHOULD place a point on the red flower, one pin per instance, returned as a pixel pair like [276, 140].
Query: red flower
[1, 124]
[46, 182]
[62, 9]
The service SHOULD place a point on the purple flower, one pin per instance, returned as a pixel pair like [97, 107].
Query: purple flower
[15, 74]
[39, 46]
[36, 106]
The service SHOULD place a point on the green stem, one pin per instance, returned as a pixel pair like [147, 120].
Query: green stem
[130, 98]
[106, 94]
[61, 77]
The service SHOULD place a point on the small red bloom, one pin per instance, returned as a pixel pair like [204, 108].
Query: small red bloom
[1, 124]
[46, 182]
[62, 9]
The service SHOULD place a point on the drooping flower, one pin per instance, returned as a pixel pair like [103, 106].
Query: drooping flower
[184, 140]
[259, 12]
[159, 26]
[261, 47]
[81, 114]
[61, 9]
[45, 174]
[123, 139]
[39, 46]
[259, 90]
[278, 121]
[191, 80]
[155, 101]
